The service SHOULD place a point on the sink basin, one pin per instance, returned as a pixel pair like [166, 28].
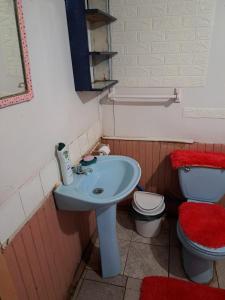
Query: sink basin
[111, 180]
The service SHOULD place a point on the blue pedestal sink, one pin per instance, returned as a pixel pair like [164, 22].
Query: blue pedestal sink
[111, 180]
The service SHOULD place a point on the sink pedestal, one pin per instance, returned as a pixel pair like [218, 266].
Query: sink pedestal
[109, 249]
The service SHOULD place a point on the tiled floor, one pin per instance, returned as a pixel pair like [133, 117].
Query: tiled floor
[140, 257]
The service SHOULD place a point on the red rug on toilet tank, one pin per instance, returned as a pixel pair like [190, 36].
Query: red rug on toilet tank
[187, 158]
[163, 288]
[203, 223]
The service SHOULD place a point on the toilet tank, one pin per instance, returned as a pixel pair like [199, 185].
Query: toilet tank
[202, 184]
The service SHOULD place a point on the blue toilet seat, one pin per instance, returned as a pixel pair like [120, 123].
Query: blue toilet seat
[199, 250]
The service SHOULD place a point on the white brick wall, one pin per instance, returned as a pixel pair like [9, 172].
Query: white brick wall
[162, 43]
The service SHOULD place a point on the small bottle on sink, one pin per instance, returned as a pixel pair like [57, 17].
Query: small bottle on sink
[65, 164]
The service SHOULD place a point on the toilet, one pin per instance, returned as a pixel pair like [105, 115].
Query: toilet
[201, 223]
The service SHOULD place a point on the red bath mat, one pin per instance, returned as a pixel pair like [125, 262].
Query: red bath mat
[203, 223]
[163, 288]
[184, 158]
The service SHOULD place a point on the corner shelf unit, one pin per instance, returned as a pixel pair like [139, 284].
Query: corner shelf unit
[89, 36]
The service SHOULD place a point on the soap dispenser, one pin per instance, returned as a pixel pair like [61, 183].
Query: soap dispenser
[65, 164]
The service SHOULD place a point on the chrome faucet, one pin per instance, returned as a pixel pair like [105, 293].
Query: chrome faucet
[80, 170]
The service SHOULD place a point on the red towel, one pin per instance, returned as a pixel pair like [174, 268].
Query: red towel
[163, 288]
[203, 223]
[183, 158]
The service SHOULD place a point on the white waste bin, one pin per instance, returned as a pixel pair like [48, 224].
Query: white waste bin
[148, 210]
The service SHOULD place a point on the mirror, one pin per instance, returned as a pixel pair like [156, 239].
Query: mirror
[15, 79]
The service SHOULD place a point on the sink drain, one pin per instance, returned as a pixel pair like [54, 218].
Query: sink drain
[98, 191]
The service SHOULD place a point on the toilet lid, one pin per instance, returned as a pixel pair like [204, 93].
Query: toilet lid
[203, 223]
[148, 203]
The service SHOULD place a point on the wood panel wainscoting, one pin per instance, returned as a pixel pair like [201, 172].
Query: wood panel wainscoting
[153, 157]
[41, 260]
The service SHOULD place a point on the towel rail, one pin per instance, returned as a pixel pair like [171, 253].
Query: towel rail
[175, 96]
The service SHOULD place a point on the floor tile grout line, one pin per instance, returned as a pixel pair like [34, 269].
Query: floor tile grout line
[151, 244]
[126, 282]
[128, 253]
[217, 276]
[79, 289]
[84, 273]
[169, 256]
[127, 240]
[107, 283]
[136, 278]
[161, 246]
[124, 294]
